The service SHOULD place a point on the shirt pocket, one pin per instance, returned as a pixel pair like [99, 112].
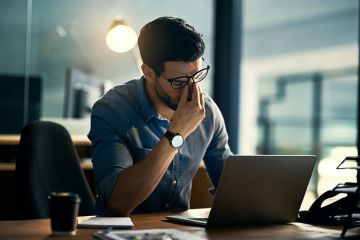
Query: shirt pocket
[140, 153]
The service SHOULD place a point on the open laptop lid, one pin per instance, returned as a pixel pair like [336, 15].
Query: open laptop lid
[259, 189]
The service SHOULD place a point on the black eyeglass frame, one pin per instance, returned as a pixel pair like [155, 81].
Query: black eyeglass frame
[171, 80]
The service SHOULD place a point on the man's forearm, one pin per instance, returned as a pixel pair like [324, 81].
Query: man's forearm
[137, 182]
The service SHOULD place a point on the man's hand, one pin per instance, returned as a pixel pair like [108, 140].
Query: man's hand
[189, 114]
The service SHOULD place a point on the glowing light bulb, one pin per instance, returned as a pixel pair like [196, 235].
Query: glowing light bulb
[121, 38]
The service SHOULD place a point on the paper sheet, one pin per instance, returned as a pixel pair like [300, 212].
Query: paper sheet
[168, 234]
[105, 222]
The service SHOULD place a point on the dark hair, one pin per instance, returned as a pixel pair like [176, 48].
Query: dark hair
[169, 39]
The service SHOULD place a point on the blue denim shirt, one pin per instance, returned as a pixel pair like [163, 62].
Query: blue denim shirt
[124, 129]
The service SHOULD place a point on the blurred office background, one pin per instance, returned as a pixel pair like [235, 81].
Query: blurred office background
[298, 81]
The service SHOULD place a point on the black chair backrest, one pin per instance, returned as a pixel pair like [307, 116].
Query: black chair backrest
[47, 161]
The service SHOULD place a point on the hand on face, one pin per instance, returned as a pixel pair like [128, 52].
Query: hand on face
[190, 111]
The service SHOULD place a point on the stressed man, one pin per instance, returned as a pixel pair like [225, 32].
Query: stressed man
[150, 134]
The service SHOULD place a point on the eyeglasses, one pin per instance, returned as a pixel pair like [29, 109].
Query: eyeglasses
[180, 82]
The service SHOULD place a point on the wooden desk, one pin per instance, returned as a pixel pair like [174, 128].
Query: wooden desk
[13, 139]
[9, 143]
[5, 167]
[40, 229]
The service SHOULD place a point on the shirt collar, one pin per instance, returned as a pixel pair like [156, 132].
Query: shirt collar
[145, 104]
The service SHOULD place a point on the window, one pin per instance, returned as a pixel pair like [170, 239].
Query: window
[299, 82]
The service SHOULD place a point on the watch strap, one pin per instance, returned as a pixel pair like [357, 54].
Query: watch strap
[169, 135]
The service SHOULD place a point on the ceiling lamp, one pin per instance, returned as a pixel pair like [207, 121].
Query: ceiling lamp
[120, 38]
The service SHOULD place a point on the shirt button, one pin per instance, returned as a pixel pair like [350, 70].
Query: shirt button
[167, 205]
[174, 182]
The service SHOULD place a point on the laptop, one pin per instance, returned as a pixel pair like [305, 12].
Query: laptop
[256, 190]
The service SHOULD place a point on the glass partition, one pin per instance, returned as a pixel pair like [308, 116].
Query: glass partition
[13, 20]
[64, 43]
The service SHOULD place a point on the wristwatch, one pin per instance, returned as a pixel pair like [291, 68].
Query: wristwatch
[175, 139]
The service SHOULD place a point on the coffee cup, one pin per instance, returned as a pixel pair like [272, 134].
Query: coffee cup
[64, 208]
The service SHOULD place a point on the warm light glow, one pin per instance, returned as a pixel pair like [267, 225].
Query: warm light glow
[121, 38]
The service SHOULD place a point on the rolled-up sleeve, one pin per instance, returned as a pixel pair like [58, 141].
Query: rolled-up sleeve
[218, 149]
[110, 154]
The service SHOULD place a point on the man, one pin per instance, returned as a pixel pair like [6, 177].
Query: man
[150, 135]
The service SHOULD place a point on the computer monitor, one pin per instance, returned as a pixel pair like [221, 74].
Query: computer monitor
[15, 111]
[81, 92]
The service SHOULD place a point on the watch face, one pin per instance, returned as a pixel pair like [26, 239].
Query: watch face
[177, 141]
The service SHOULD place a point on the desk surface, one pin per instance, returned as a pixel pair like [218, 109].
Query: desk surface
[10, 167]
[13, 139]
[40, 229]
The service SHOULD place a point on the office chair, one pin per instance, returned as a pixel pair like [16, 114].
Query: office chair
[47, 161]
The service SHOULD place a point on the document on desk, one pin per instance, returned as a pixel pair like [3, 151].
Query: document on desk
[147, 234]
[106, 222]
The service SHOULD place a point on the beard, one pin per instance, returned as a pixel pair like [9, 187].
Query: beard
[164, 97]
